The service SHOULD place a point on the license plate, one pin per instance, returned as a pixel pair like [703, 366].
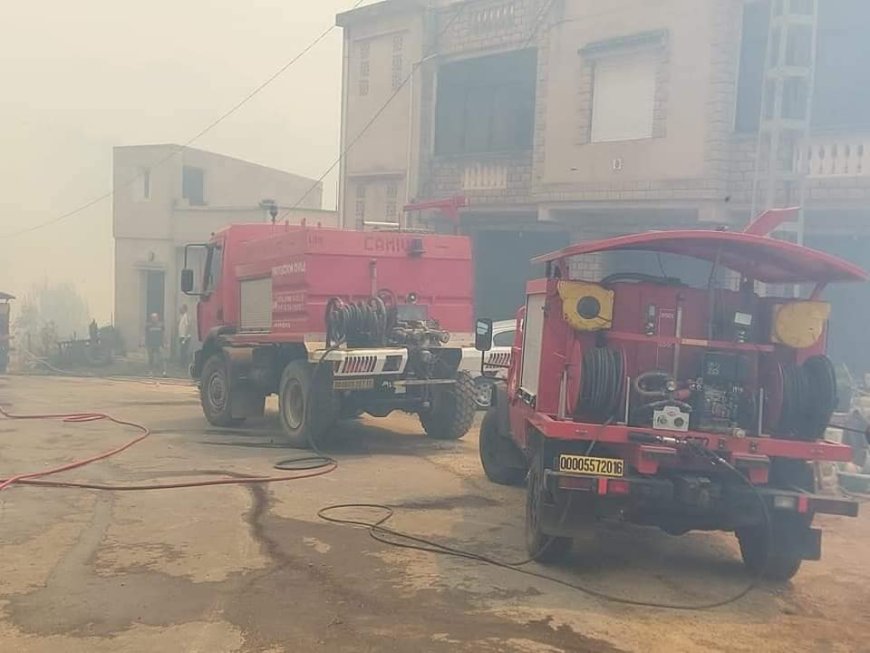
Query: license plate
[353, 384]
[591, 466]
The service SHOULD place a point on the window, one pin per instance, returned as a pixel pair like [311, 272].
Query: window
[398, 62]
[486, 104]
[753, 49]
[842, 79]
[842, 66]
[192, 185]
[213, 264]
[504, 339]
[392, 205]
[623, 98]
[364, 67]
[141, 185]
[360, 208]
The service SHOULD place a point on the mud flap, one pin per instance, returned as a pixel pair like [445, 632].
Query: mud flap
[246, 401]
[811, 544]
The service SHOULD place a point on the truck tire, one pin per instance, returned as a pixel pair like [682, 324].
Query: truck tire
[304, 425]
[214, 392]
[779, 560]
[543, 548]
[502, 460]
[453, 409]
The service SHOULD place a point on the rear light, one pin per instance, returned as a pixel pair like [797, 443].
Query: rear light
[618, 487]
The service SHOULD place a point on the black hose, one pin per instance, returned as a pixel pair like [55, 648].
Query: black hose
[602, 383]
[809, 398]
[361, 324]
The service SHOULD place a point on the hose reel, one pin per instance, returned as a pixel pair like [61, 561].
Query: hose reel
[602, 384]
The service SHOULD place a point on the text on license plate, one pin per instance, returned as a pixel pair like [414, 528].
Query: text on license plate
[353, 384]
[593, 466]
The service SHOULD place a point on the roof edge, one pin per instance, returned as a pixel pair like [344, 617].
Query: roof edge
[377, 10]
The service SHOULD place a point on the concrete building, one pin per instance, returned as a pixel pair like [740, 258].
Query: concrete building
[167, 196]
[563, 120]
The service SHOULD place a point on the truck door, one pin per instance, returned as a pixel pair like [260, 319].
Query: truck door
[210, 308]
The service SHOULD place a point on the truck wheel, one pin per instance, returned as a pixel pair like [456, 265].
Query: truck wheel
[303, 425]
[540, 546]
[502, 460]
[779, 560]
[483, 391]
[452, 411]
[214, 393]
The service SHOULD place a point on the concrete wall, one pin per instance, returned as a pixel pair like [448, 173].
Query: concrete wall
[694, 163]
[380, 55]
[150, 233]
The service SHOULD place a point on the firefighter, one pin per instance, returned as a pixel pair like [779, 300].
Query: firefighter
[154, 340]
[183, 335]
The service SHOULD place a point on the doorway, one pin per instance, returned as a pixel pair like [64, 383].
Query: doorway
[502, 266]
[155, 287]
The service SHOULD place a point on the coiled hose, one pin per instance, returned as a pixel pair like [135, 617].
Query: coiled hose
[602, 384]
[809, 398]
[361, 324]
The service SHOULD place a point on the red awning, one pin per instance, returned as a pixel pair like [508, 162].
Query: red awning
[756, 257]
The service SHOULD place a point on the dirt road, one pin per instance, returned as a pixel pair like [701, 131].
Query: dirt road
[255, 569]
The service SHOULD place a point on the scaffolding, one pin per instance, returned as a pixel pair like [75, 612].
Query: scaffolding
[786, 111]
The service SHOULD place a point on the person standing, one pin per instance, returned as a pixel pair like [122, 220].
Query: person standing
[183, 335]
[154, 339]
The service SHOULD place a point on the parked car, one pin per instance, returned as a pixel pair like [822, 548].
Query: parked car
[496, 362]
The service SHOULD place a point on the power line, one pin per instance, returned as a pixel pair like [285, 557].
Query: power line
[214, 123]
[376, 115]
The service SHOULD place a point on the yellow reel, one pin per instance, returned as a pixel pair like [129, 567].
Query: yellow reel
[586, 306]
[799, 324]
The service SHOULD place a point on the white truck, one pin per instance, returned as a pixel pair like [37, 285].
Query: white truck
[496, 361]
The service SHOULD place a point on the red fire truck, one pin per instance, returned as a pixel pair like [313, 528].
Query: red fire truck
[336, 323]
[645, 398]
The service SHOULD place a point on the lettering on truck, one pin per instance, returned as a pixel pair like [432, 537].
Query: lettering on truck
[385, 244]
[288, 302]
[295, 267]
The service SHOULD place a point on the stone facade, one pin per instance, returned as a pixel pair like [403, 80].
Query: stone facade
[693, 164]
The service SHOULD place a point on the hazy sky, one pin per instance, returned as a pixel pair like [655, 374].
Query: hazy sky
[77, 78]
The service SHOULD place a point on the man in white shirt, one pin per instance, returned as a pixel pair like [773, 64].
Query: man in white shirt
[183, 335]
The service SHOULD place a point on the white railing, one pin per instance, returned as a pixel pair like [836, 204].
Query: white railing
[494, 18]
[485, 176]
[835, 156]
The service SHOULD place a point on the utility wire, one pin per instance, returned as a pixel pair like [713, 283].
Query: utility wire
[214, 123]
[456, 15]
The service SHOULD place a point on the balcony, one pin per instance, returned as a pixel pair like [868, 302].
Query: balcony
[829, 155]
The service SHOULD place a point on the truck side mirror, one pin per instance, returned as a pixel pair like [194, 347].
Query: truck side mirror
[187, 281]
[483, 334]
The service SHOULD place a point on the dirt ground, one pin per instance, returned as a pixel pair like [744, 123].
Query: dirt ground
[254, 569]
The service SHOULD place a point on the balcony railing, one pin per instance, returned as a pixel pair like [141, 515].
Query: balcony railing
[485, 176]
[835, 156]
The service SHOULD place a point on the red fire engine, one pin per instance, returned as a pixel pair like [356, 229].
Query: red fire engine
[336, 323]
[684, 407]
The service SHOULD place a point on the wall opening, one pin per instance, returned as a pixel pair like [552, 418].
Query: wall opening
[486, 104]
